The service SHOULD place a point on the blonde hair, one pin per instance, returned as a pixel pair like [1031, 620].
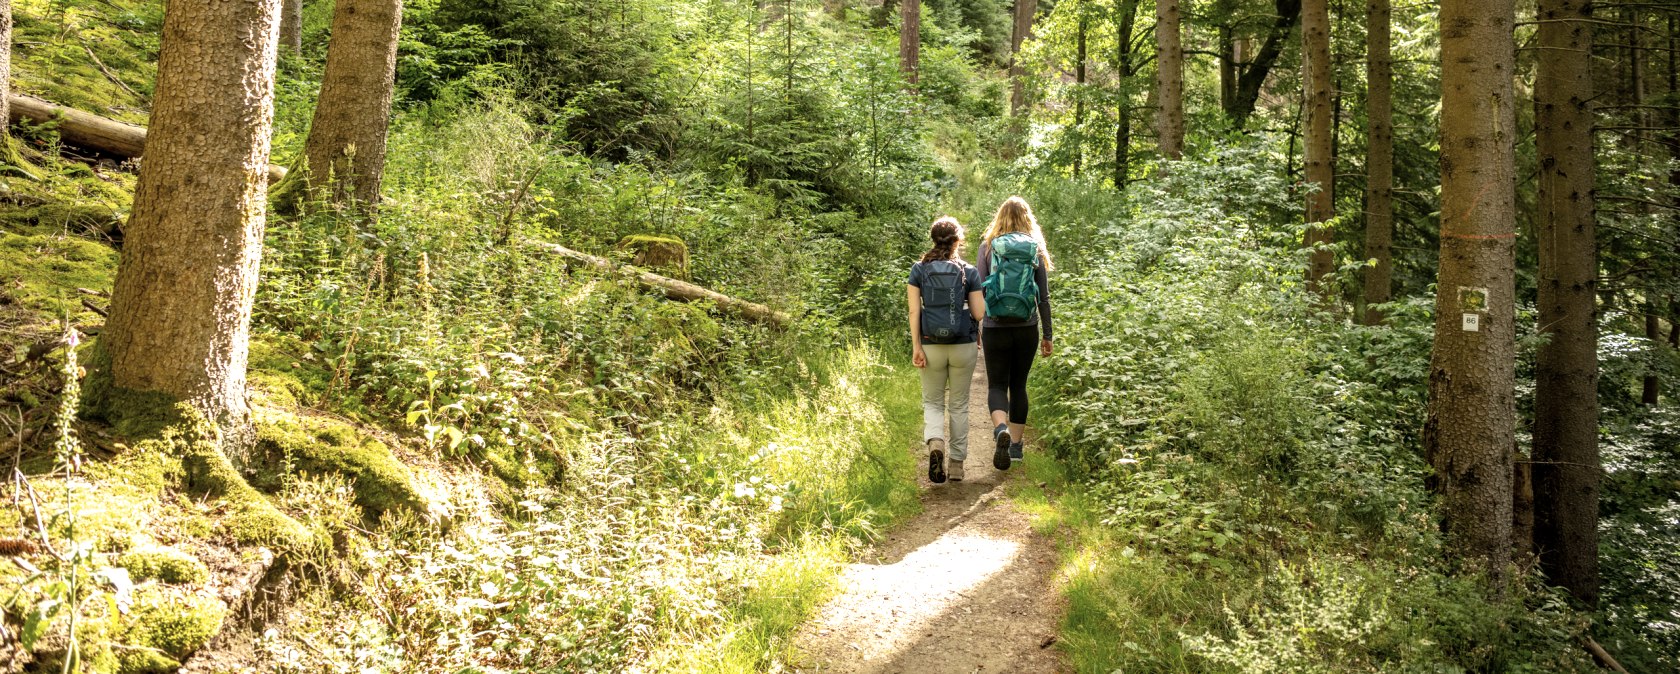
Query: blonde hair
[1015, 216]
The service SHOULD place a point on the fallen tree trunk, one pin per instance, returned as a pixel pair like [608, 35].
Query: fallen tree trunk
[673, 289]
[90, 131]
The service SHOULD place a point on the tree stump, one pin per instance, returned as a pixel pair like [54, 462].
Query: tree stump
[657, 253]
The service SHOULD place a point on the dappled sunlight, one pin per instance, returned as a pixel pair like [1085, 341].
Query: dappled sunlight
[895, 605]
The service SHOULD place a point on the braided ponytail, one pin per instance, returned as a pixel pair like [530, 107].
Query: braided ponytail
[946, 234]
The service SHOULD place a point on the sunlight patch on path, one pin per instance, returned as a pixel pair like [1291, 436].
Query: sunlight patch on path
[895, 605]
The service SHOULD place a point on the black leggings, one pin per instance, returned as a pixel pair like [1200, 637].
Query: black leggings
[1009, 356]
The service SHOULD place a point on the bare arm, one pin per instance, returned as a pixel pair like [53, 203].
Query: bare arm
[977, 305]
[917, 357]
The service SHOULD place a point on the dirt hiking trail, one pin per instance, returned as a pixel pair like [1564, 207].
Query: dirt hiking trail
[964, 587]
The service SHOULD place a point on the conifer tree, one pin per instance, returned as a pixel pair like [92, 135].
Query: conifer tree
[1471, 410]
[346, 145]
[181, 309]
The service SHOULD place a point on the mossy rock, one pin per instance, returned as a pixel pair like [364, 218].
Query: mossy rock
[174, 623]
[658, 253]
[316, 446]
[252, 519]
[144, 661]
[165, 564]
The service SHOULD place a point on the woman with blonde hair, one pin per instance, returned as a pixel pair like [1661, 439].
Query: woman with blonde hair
[945, 311]
[1015, 265]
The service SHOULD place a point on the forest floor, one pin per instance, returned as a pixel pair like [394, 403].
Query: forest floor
[966, 586]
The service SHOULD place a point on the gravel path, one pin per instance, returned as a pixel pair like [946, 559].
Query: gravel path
[966, 586]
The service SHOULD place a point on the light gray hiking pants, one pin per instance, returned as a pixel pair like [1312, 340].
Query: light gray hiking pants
[945, 383]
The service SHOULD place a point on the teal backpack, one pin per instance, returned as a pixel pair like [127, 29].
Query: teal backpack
[1009, 289]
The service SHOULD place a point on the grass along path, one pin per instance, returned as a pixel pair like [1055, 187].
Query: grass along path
[966, 586]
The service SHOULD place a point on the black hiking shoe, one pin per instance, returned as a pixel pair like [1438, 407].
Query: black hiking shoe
[1000, 457]
[1016, 453]
[936, 461]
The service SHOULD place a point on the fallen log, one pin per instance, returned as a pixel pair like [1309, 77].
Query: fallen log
[87, 130]
[677, 290]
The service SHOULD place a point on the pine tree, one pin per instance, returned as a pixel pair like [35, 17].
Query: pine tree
[1379, 159]
[1125, 68]
[1471, 411]
[1320, 166]
[181, 309]
[1169, 80]
[1566, 463]
[910, 39]
[346, 145]
[1024, 12]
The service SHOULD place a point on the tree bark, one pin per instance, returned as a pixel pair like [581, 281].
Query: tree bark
[181, 307]
[1125, 70]
[1024, 11]
[1169, 80]
[346, 145]
[291, 28]
[910, 40]
[1379, 159]
[1253, 76]
[1471, 412]
[1320, 167]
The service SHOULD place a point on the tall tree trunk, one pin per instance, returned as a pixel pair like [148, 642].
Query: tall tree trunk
[1227, 68]
[1379, 160]
[910, 40]
[1472, 415]
[1650, 389]
[1253, 76]
[291, 27]
[1124, 69]
[1650, 386]
[1169, 80]
[1674, 151]
[181, 308]
[1024, 11]
[1080, 57]
[346, 146]
[1566, 464]
[1320, 166]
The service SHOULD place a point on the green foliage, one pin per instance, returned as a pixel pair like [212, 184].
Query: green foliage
[1243, 451]
[656, 540]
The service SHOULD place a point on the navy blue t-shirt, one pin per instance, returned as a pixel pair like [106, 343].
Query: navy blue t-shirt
[918, 275]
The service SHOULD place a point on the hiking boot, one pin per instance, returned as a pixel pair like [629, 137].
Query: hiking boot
[954, 471]
[1015, 452]
[1000, 457]
[936, 461]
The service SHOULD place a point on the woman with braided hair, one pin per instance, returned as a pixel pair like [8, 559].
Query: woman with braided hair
[945, 313]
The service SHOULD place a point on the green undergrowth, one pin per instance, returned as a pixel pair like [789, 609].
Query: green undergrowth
[699, 542]
[1239, 485]
[94, 55]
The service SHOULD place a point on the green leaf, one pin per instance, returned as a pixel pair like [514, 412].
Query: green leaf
[35, 625]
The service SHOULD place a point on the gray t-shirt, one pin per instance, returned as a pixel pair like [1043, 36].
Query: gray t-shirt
[1041, 313]
[918, 276]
